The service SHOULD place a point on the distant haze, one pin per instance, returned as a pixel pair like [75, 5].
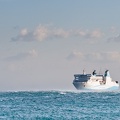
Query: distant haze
[44, 43]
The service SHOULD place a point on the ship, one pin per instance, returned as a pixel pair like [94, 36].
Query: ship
[95, 81]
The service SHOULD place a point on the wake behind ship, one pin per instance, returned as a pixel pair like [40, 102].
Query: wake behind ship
[95, 82]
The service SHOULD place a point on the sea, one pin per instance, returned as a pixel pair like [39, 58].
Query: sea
[59, 105]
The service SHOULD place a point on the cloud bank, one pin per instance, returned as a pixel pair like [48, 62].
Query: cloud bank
[22, 56]
[103, 56]
[42, 33]
[114, 39]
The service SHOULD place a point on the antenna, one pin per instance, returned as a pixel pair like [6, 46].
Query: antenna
[84, 72]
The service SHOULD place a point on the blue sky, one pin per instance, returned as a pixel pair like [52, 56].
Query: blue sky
[44, 43]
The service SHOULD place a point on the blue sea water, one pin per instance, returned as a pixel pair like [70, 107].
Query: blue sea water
[60, 105]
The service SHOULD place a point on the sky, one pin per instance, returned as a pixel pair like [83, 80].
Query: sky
[43, 43]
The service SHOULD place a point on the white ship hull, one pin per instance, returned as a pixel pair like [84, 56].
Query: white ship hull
[95, 82]
[87, 86]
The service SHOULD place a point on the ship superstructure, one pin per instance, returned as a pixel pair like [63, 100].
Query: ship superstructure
[95, 82]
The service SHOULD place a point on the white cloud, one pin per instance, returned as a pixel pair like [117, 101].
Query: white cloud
[103, 56]
[111, 56]
[75, 54]
[96, 34]
[61, 33]
[24, 32]
[114, 39]
[33, 53]
[24, 35]
[42, 33]
[113, 29]
[22, 56]
[89, 34]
